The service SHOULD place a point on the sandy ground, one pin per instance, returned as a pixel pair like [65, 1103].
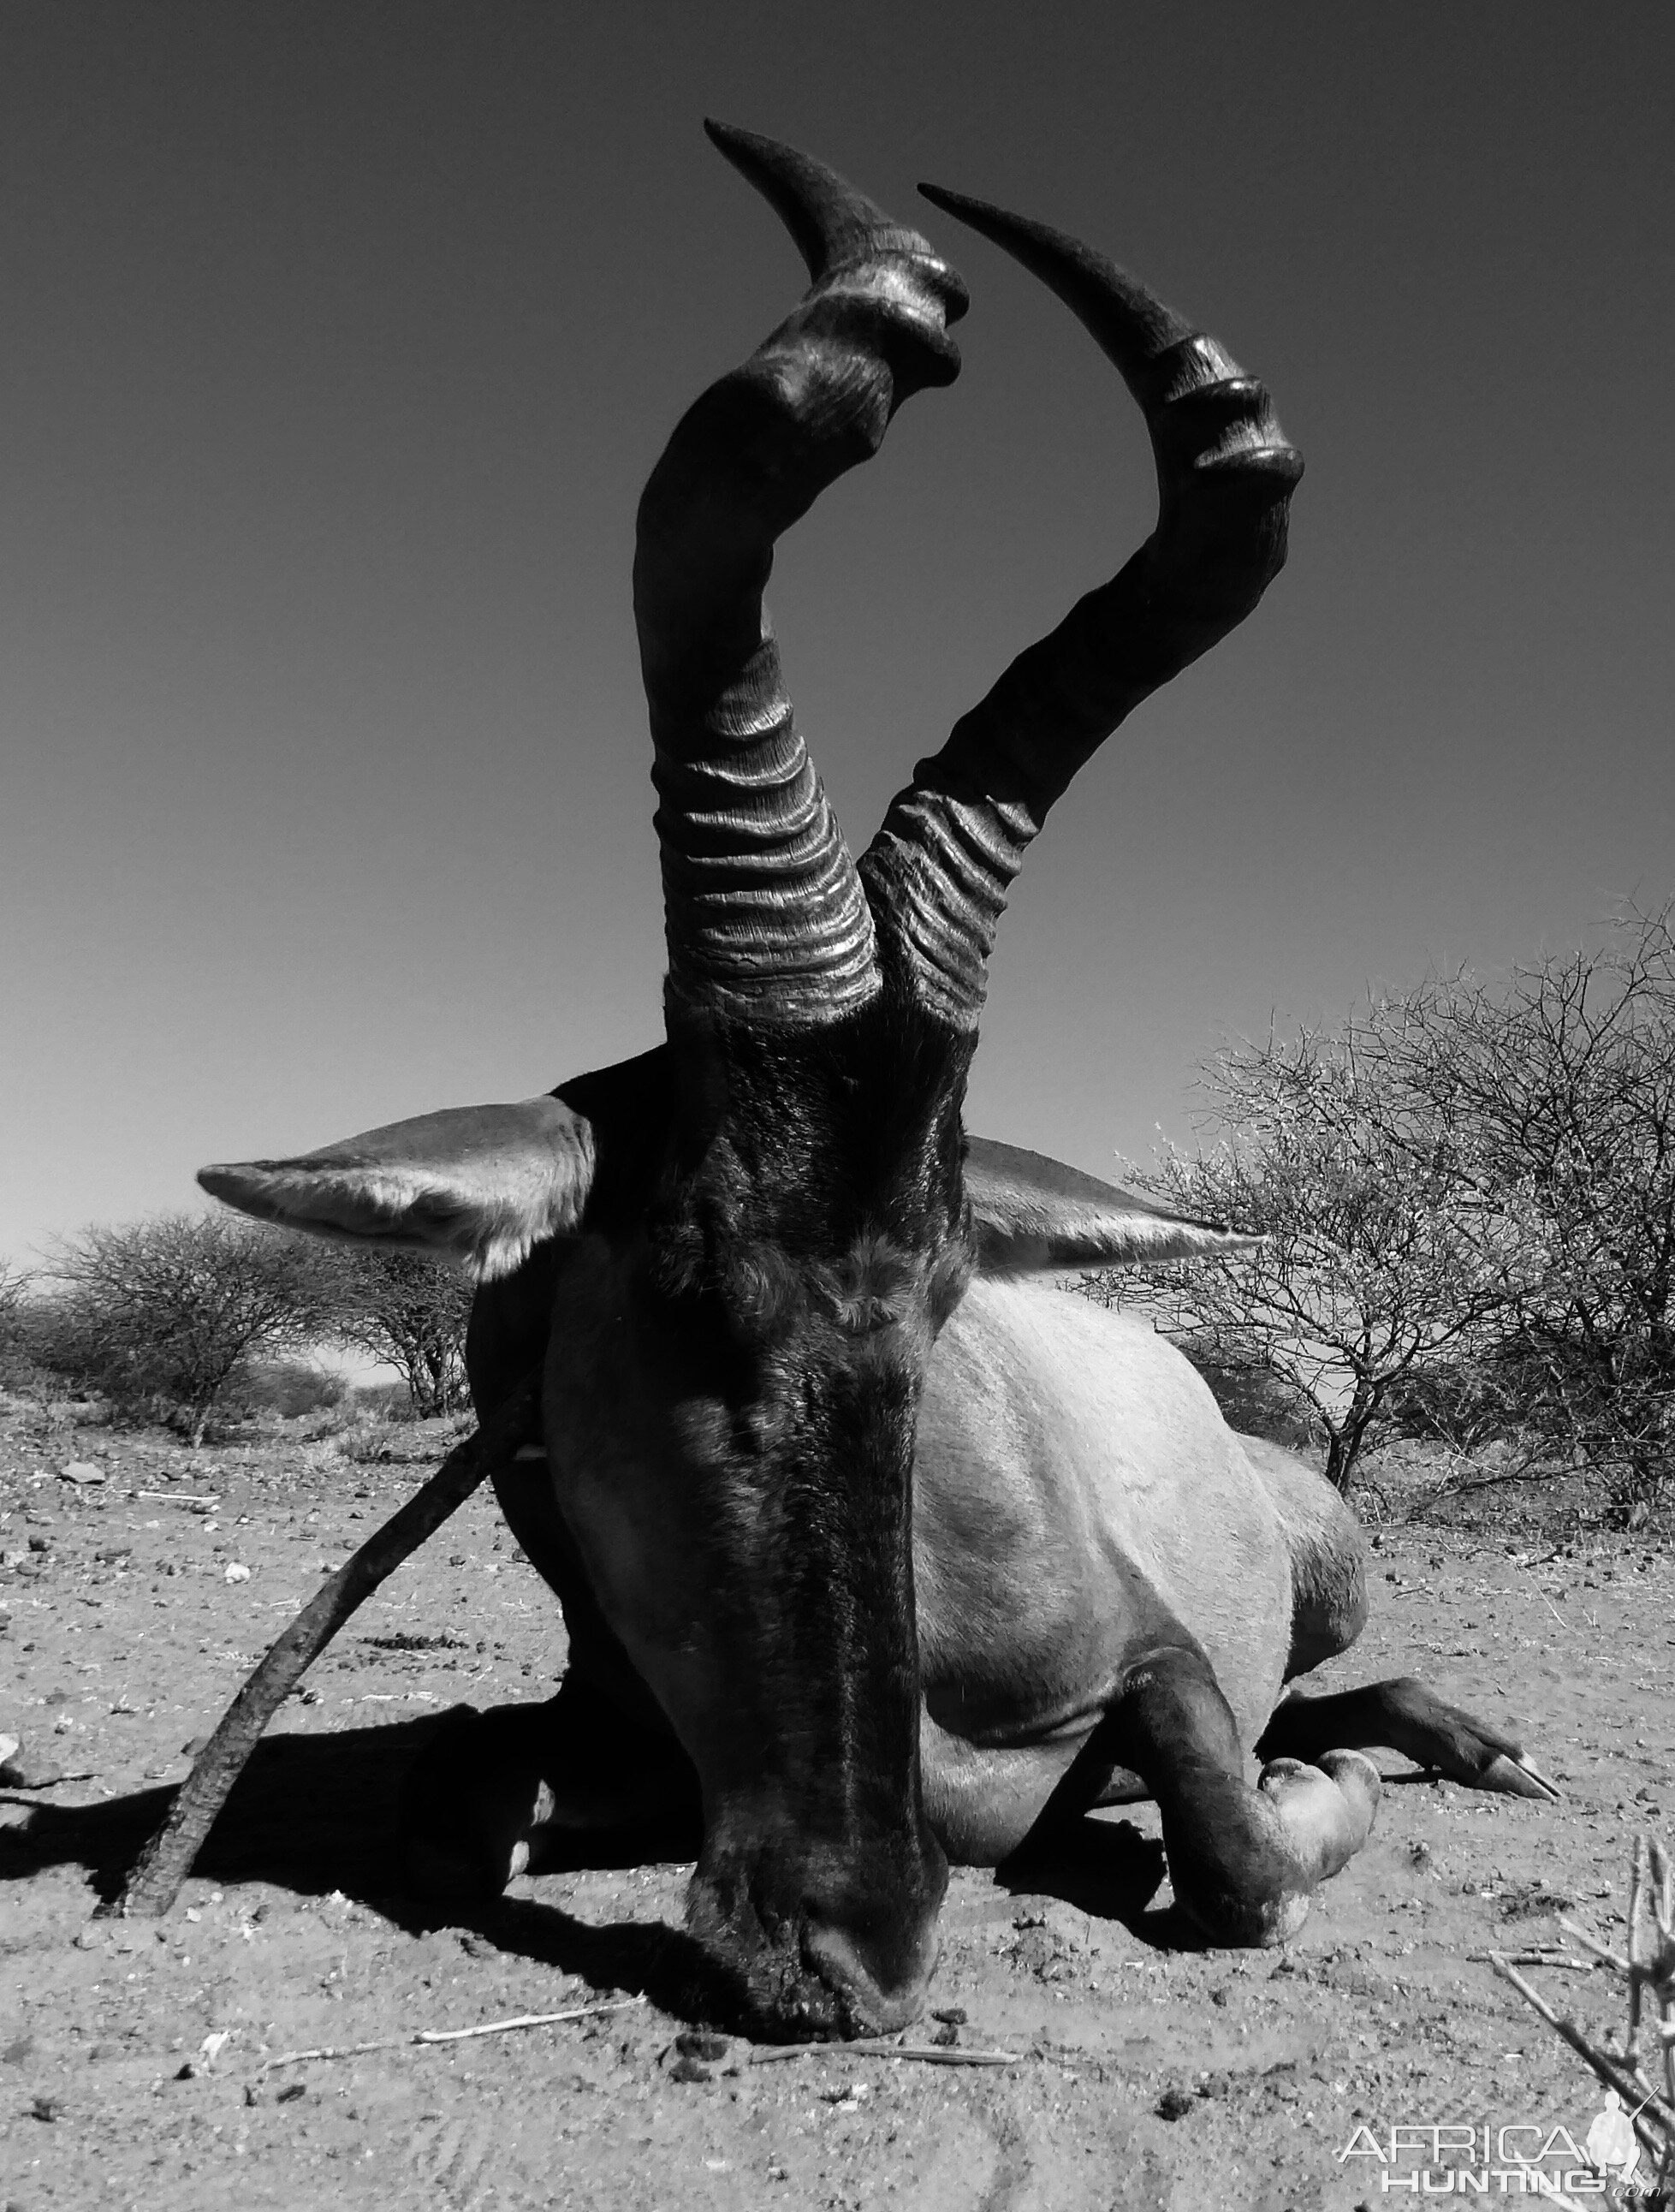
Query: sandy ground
[137, 2059]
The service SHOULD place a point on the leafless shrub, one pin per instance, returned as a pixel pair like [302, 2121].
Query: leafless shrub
[1467, 1196]
[290, 1389]
[14, 1357]
[1565, 1078]
[1379, 1256]
[411, 1311]
[162, 1316]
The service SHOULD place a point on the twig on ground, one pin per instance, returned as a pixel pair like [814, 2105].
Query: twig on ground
[880, 2046]
[422, 2035]
[155, 1880]
[1602, 1951]
[1495, 1481]
[1560, 1961]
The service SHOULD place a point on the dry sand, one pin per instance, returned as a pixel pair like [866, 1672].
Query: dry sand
[134, 2057]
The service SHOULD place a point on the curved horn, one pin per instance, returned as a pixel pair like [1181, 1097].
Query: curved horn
[831, 222]
[937, 872]
[765, 915]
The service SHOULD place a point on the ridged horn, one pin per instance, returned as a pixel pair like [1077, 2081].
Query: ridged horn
[765, 916]
[938, 873]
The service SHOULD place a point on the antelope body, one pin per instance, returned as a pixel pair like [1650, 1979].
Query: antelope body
[873, 1552]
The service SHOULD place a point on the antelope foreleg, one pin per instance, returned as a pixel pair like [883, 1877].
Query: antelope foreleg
[1245, 1862]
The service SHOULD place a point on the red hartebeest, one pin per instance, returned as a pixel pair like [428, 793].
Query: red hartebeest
[871, 1553]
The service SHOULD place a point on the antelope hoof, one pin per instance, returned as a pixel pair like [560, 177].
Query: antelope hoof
[1326, 1811]
[1359, 1785]
[1469, 1751]
[1518, 1777]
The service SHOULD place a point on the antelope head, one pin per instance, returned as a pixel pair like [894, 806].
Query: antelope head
[754, 1234]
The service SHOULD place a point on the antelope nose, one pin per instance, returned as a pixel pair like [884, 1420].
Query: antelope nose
[881, 1986]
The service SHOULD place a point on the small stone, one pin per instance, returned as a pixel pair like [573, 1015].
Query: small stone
[80, 1470]
[197, 1743]
[188, 2072]
[950, 2015]
[290, 2092]
[1174, 2104]
[688, 2070]
[236, 1571]
[47, 2108]
[701, 2043]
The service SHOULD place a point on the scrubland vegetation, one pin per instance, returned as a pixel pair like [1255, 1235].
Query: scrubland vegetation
[1466, 1195]
[199, 1320]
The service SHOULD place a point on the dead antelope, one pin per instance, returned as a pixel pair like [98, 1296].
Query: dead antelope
[873, 1553]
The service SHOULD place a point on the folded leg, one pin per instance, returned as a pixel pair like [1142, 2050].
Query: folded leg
[1412, 1720]
[1245, 1861]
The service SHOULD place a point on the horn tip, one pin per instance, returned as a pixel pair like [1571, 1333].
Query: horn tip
[1015, 234]
[748, 151]
[964, 208]
[1129, 321]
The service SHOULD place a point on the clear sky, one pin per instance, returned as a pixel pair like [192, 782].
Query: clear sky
[339, 337]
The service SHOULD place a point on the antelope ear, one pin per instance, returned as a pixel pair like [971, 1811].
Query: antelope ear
[1031, 1211]
[481, 1184]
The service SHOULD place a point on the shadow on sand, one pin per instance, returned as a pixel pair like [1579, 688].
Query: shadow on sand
[1108, 1869]
[315, 1814]
[318, 1814]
